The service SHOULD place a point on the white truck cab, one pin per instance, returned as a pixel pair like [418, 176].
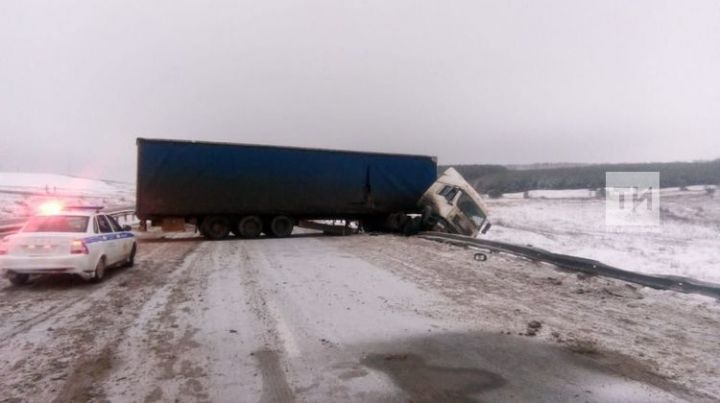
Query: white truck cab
[68, 241]
[453, 206]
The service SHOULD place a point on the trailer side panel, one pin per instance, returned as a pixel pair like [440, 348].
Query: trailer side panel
[177, 178]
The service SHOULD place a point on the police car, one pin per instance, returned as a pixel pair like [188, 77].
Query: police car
[71, 240]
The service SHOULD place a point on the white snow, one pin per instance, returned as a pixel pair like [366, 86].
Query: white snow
[52, 183]
[552, 194]
[687, 242]
[21, 193]
[592, 193]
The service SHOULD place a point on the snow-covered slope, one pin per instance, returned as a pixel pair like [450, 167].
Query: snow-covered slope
[21, 193]
[687, 242]
[53, 183]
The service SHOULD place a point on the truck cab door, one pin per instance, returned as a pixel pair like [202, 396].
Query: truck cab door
[474, 217]
[459, 222]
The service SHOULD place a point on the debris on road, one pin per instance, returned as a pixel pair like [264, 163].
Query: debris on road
[533, 327]
[480, 257]
[395, 357]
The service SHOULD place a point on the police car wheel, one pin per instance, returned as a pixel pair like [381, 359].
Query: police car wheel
[99, 273]
[131, 257]
[18, 278]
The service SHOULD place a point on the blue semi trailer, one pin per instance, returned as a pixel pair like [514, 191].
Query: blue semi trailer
[248, 189]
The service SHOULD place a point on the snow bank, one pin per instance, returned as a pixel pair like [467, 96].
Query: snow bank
[591, 193]
[52, 183]
[22, 193]
[553, 194]
[687, 242]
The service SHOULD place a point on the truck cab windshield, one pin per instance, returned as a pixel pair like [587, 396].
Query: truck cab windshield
[470, 209]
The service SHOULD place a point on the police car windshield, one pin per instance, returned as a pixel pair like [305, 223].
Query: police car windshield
[57, 223]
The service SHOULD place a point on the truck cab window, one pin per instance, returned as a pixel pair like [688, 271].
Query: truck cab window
[450, 193]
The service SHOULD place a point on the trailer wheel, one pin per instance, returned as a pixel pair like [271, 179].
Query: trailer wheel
[281, 226]
[249, 227]
[397, 221]
[215, 227]
[413, 226]
[429, 221]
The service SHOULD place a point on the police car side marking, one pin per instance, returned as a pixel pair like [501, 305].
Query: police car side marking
[110, 237]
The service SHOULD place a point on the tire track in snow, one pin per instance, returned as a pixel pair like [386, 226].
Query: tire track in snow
[49, 360]
[155, 340]
[66, 308]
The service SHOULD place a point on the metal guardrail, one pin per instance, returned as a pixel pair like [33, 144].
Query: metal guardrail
[583, 265]
[12, 226]
[121, 213]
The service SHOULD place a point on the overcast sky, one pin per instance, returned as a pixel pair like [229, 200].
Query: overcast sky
[469, 81]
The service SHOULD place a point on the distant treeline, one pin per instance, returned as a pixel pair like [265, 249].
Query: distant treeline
[498, 179]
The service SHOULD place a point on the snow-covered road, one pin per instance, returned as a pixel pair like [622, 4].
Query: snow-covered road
[358, 318]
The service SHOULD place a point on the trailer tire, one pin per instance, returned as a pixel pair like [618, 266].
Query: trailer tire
[215, 227]
[249, 227]
[281, 226]
[429, 221]
[413, 226]
[396, 222]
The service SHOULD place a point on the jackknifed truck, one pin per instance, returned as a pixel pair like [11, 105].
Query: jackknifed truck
[248, 190]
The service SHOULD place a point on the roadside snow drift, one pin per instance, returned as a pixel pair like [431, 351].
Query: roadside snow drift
[52, 183]
[22, 193]
[687, 242]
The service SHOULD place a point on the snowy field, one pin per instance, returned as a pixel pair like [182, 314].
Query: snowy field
[687, 242]
[21, 193]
